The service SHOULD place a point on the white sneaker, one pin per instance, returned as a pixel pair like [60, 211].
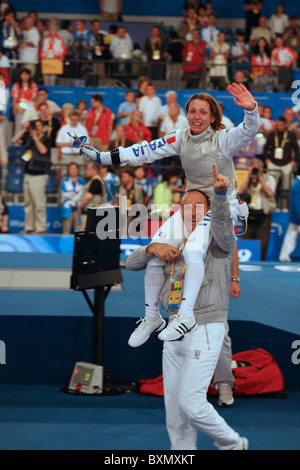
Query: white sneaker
[284, 259]
[225, 394]
[243, 444]
[177, 328]
[142, 333]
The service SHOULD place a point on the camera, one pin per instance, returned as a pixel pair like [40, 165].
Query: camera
[32, 125]
[255, 171]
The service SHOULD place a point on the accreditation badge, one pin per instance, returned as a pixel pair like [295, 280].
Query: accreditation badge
[278, 153]
[189, 56]
[175, 294]
[156, 55]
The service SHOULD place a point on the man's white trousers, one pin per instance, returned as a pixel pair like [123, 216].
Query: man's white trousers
[188, 367]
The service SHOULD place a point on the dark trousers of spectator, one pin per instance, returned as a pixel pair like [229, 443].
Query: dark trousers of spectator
[259, 225]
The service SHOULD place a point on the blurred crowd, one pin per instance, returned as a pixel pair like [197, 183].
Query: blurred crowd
[40, 156]
[197, 50]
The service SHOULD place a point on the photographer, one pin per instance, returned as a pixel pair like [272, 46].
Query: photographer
[258, 190]
[37, 168]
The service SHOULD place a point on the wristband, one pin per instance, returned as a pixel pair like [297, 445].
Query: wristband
[235, 279]
[221, 194]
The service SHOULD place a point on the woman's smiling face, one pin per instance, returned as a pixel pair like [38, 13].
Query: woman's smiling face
[199, 116]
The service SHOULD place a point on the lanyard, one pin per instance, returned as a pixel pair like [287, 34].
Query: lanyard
[284, 140]
[173, 264]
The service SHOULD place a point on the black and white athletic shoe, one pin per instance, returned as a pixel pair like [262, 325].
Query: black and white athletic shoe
[177, 328]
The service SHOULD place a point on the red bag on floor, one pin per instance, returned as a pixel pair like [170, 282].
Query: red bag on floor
[257, 372]
[152, 386]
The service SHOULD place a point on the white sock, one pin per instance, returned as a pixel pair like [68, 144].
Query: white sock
[154, 282]
[193, 279]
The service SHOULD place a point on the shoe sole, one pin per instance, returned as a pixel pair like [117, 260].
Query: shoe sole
[159, 328]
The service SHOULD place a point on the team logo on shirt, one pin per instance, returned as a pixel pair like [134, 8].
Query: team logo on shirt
[197, 354]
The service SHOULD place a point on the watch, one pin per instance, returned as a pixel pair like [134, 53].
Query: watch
[235, 279]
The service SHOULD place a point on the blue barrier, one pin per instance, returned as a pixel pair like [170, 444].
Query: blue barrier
[112, 97]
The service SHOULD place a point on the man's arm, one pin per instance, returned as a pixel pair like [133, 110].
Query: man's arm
[138, 259]
[221, 219]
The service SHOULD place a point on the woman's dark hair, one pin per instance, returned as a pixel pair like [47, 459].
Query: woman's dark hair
[256, 50]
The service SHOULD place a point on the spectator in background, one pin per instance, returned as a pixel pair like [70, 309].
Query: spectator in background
[202, 16]
[140, 178]
[37, 168]
[81, 47]
[98, 49]
[4, 213]
[29, 46]
[171, 98]
[42, 29]
[23, 92]
[121, 48]
[252, 10]
[133, 192]
[239, 52]
[126, 108]
[281, 152]
[193, 55]
[52, 47]
[293, 230]
[120, 139]
[110, 10]
[291, 35]
[210, 33]
[100, 121]
[81, 108]
[219, 54]
[267, 114]
[66, 33]
[174, 60]
[261, 31]
[162, 201]
[50, 123]
[32, 112]
[187, 25]
[149, 106]
[225, 120]
[264, 130]
[10, 32]
[194, 4]
[279, 21]
[173, 121]
[142, 83]
[4, 68]
[54, 108]
[156, 53]
[282, 59]
[291, 124]
[138, 61]
[112, 181]
[259, 190]
[261, 65]
[93, 193]
[71, 191]
[66, 110]
[67, 153]
[135, 130]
